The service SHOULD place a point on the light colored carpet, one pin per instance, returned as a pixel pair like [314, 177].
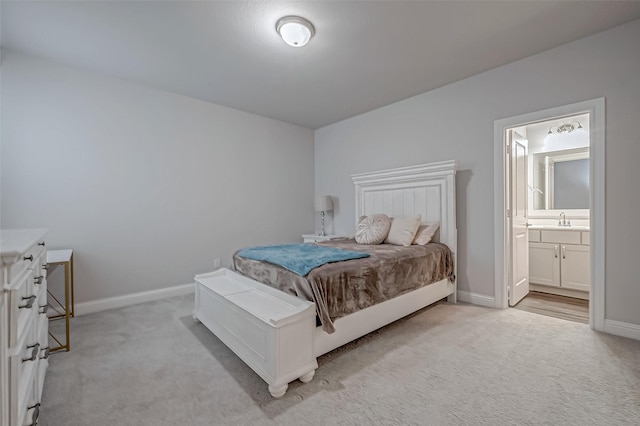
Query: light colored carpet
[446, 365]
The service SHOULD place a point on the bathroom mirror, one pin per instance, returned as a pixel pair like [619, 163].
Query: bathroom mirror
[559, 180]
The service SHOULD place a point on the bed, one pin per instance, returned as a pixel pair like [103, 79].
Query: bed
[342, 288]
[281, 348]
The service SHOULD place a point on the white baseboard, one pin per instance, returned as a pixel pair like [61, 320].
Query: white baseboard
[476, 299]
[132, 299]
[623, 329]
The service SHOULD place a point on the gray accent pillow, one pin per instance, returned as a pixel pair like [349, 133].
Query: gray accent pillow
[403, 230]
[425, 233]
[373, 229]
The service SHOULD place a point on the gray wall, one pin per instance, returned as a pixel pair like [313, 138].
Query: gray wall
[456, 122]
[146, 186]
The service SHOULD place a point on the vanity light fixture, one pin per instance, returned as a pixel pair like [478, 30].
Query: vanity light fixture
[564, 128]
[295, 31]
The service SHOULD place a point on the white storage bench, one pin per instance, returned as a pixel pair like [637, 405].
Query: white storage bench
[271, 331]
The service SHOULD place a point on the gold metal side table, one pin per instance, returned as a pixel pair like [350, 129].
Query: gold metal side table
[64, 310]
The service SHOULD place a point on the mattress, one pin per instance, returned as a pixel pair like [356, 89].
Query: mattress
[341, 288]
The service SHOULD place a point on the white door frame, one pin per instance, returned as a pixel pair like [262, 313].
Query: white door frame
[596, 110]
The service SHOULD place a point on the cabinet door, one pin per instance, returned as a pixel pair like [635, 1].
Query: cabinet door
[576, 267]
[544, 264]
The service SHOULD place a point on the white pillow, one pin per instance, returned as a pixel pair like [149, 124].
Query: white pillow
[372, 229]
[403, 230]
[425, 233]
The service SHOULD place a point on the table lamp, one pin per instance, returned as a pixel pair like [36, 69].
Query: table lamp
[323, 203]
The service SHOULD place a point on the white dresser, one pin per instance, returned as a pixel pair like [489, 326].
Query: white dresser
[24, 350]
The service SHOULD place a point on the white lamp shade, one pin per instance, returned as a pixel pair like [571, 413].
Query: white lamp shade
[323, 203]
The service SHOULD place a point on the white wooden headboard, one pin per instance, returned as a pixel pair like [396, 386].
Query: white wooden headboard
[427, 189]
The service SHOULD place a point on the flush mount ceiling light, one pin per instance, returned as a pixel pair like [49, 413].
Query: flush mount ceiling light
[295, 31]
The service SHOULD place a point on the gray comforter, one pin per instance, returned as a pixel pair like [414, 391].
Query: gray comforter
[341, 288]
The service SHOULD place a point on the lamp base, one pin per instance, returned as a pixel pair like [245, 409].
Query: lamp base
[322, 234]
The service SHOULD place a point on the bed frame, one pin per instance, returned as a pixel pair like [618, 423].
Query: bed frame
[428, 190]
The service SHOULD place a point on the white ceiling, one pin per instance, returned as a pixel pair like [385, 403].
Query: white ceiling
[364, 54]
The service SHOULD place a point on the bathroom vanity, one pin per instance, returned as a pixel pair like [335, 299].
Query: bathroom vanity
[559, 260]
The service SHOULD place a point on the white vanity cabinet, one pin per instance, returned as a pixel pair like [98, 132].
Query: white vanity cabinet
[24, 348]
[560, 258]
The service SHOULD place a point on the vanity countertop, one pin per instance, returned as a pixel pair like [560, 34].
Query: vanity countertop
[560, 227]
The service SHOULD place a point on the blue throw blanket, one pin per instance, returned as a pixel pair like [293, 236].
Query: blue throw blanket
[300, 258]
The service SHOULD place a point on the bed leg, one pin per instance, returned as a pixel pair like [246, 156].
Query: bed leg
[452, 298]
[278, 391]
[195, 318]
[307, 377]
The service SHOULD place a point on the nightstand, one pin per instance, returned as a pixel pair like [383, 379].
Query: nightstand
[314, 238]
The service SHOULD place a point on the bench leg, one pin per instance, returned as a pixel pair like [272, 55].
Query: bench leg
[278, 391]
[307, 377]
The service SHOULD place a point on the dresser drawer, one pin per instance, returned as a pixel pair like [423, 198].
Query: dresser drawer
[27, 355]
[42, 335]
[23, 369]
[23, 305]
[38, 385]
[28, 406]
[42, 303]
[39, 263]
[31, 259]
[43, 356]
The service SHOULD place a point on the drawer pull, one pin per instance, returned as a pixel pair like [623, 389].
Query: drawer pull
[34, 353]
[555, 251]
[45, 267]
[46, 352]
[41, 243]
[38, 280]
[44, 309]
[36, 413]
[564, 253]
[29, 303]
[30, 257]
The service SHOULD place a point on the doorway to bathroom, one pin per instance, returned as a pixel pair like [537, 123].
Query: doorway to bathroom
[549, 193]
[555, 200]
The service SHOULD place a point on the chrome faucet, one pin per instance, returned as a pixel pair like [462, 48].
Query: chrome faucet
[563, 220]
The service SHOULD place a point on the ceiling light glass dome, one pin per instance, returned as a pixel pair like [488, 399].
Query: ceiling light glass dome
[295, 31]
